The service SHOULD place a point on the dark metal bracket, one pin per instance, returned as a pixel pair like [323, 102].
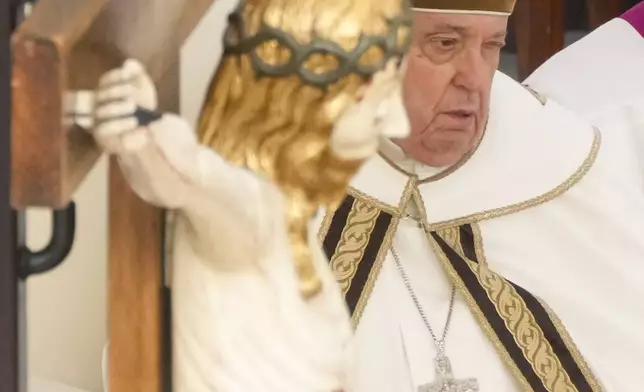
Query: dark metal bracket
[17, 261]
[62, 240]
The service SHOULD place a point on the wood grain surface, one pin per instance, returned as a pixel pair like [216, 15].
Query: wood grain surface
[135, 284]
[135, 303]
[539, 28]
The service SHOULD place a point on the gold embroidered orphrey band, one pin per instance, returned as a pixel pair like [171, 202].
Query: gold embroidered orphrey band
[524, 330]
[528, 336]
[356, 239]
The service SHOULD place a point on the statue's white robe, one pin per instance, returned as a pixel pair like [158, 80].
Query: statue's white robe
[239, 323]
[558, 217]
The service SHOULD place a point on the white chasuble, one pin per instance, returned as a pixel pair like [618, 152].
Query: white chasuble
[541, 231]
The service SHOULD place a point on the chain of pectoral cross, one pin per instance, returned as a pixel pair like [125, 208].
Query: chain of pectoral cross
[444, 377]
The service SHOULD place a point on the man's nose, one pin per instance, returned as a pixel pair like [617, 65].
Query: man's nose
[470, 70]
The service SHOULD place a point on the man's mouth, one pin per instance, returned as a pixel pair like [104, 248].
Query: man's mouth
[461, 114]
[459, 119]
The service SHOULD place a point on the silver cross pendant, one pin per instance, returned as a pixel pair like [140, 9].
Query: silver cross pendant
[445, 380]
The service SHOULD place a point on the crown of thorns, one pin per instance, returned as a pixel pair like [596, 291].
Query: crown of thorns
[237, 41]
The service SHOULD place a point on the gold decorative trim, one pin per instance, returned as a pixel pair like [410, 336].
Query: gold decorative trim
[572, 348]
[513, 208]
[382, 253]
[469, 299]
[526, 331]
[452, 235]
[519, 320]
[348, 254]
[355, 237]
[395, 211]
[367, 290]
[478, 243]
[503, 6]
[326, 224]
[328, 216]
[479, 316]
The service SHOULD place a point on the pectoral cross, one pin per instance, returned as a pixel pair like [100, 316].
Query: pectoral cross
[445, 380]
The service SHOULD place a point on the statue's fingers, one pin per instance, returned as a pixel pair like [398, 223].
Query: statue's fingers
[393, 65]
[115, 76]
[79, 102]
[79, 108]
[133, 68]
[146, 93]
[116, 109]
[85, 121]
[384, 90]
[114, 92]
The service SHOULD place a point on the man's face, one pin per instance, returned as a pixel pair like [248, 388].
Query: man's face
[446, 91]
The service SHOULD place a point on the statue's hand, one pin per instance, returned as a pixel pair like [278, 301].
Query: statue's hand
[158, 154]
[383, 85]
[378, 113]
[125, 101]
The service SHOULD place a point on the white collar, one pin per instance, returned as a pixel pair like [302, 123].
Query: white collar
[530, 153]
[398, 157]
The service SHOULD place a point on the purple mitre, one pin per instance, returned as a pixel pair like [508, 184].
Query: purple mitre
[635, 16]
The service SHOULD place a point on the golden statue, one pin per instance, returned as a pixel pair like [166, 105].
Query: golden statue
[291, 70]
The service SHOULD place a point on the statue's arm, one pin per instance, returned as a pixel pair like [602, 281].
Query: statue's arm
[159, 160]
[159, 154]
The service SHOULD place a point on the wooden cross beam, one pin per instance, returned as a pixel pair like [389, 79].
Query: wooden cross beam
[66, 45]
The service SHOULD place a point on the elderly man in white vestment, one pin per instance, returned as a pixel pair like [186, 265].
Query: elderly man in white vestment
[500, 247]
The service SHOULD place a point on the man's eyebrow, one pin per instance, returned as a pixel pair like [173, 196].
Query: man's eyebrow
[448, 28]
[462, 30]
[500, 34]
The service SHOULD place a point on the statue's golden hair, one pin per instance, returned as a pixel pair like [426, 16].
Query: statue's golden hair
[280, 127]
